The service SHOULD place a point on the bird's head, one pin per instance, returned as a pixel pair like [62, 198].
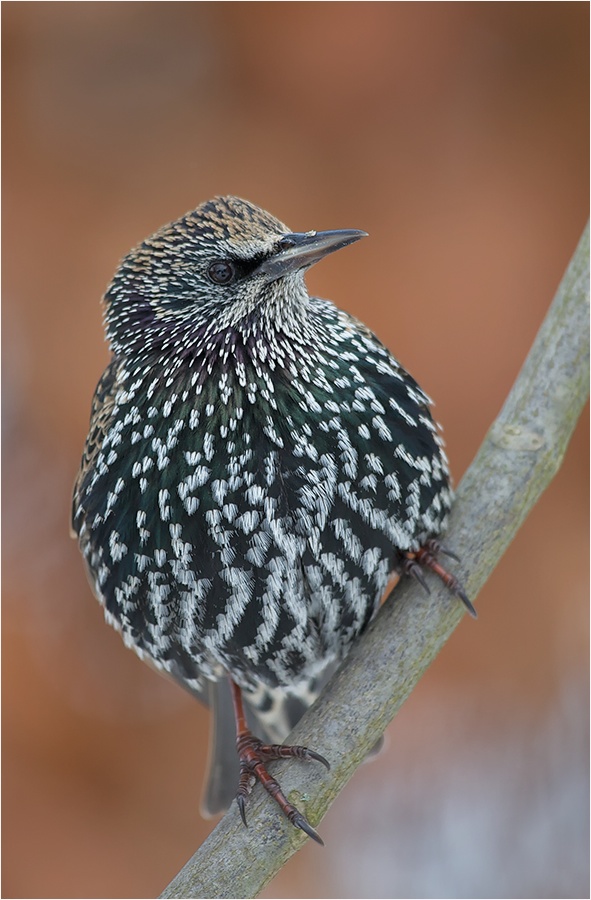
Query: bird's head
[225, 266]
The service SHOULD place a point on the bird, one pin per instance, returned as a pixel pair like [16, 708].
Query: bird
[258, 467]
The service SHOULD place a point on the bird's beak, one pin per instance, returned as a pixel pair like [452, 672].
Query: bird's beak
[300, 251]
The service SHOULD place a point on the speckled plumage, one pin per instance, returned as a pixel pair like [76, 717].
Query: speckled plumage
[258, 463]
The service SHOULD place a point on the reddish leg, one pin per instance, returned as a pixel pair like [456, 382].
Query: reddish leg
[426, 557]
[253, 756]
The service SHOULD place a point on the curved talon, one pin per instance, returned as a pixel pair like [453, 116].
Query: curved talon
[435, 547]
[310, 754]
[464, 598]
[300, 821]
[411, 567]
[242, 807]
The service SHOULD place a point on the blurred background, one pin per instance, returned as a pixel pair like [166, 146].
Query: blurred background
[456, 134]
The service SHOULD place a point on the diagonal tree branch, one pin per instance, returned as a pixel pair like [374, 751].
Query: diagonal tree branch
[518, 459]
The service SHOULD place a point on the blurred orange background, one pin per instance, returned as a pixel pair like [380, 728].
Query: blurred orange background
[456, 134]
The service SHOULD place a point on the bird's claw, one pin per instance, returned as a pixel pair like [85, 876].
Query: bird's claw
[301, 822]
[426, 556]
[254, 755]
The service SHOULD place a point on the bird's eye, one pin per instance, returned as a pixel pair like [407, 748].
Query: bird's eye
[286, 243]
[222, 271]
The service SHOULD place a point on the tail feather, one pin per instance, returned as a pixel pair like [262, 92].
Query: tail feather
[221, 781]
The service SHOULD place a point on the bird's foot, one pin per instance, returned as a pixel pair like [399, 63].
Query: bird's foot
[426, 558]
[254, 755]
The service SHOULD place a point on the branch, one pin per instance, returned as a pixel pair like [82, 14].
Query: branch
[518, 459]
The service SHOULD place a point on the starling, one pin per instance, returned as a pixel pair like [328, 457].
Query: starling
[257, 467]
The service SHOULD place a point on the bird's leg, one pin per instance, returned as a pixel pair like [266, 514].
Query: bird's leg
[253, 756]
[426, 557]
